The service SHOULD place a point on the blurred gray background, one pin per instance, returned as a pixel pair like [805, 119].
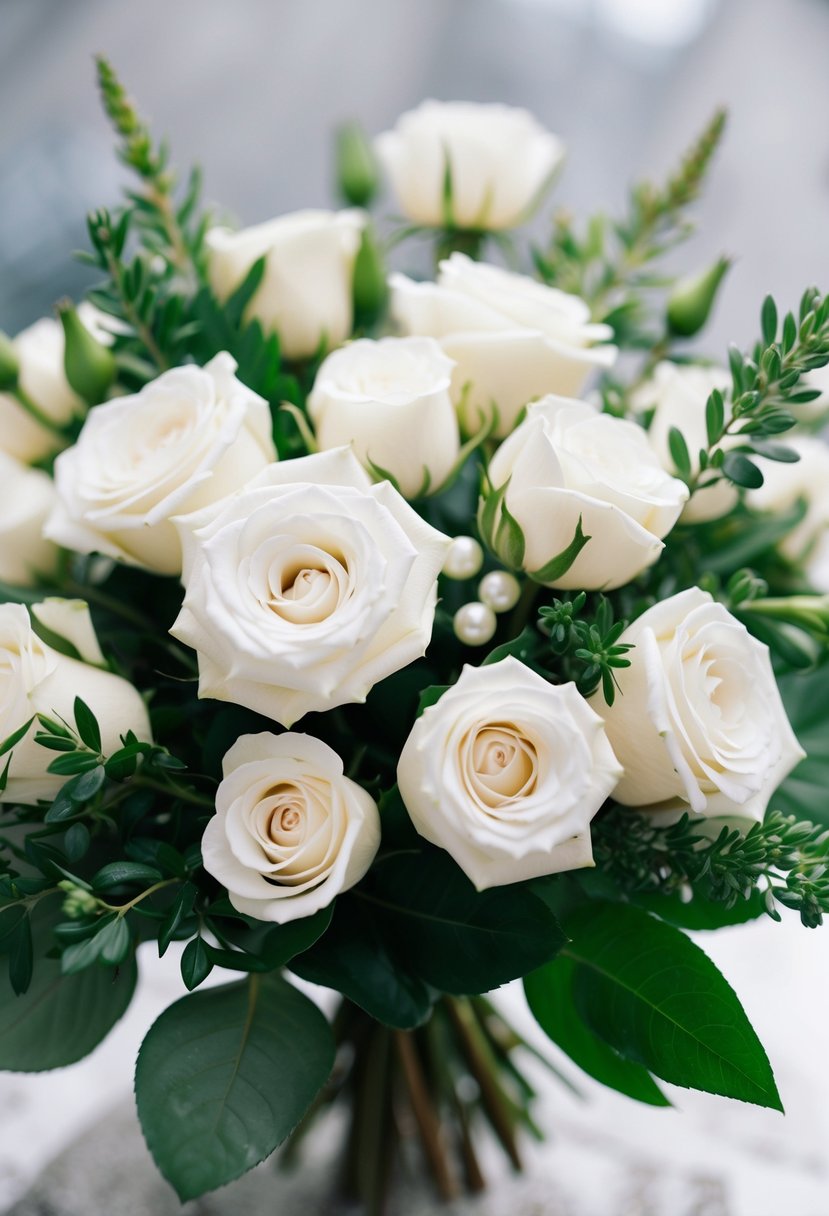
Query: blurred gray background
[251, 90]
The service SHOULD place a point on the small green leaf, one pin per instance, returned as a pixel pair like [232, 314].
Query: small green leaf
[431, 696]
[742, 471]
[117, 872]
[714, 417]
[679, 452]
[225, 1075]
[87, 725]
[84, 787]
[21, 958]
[768, 320]
[15, 737]
[179, 910]
[196, 964]
[550, 573]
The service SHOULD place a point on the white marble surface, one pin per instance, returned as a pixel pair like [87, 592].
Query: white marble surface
[606, 1156]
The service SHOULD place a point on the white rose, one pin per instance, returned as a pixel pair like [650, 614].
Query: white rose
[512, 338]
[306, 292]
[506, 772]
[390, 400]
[698, 723]
[34, 679]
[499, 160]
[290, 830]
[677, 394]
[307, 587]
[567, 460]
[187, 439]
[783, 485]
[41, 377]
[26, 498]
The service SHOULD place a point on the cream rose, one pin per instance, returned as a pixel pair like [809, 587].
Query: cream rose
[34, 679]
[306, 292]
[698, 724]
[41, 377]
[390, 400]
[512, 338]
[499, 160]
[26, 498]
[677, 394]
[187, 439]
[783, 485]
[306, 588]
[567, 461]
[506, 772]
[290, 830]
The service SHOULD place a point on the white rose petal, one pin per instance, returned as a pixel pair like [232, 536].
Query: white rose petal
[498, 157]
[506, 772]
[698, 722]
[26, 498]
[34, 679]
[678, 394]
[187, 439]
[307, 588]
[39, 350]
[568, 461]
[306, 291]
[513, 339]
[390, 400]
[70, 620]
[290, 830]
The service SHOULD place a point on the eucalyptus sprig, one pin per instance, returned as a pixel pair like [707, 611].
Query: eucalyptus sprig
[787, 860]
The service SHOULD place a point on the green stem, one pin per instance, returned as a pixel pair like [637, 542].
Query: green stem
[36, 413]
[132, 315]
[175, 791]
[123, 909]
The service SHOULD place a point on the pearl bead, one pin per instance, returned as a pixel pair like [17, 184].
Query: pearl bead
[499, 590]
[474, 624]
[464, 559]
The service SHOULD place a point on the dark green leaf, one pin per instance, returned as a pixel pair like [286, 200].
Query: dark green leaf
[117, 872]
[700, 913]
[60, 1019]
[76, 841]
[356, 959]
[679, 452]
[559, 565]
[524, 647]
[550, 997]
[87, 725]
[15, 737]
[225, 1075]
[21, 958]
[657, 999]
[714, 417]
[179, 910]
[768, 319]
[739, 469]
[805, 792]
[458, 939]
[84, 787]
[196, 964]
[73, 762]
[431, 696]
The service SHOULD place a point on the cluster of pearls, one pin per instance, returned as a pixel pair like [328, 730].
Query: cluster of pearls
[498, 591]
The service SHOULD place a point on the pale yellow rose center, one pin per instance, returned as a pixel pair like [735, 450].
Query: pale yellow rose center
[307, 589]
[502, 764]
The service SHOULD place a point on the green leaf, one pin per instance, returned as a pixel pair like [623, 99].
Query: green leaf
[237, 303]
[550, 997]
[117, 872]
[196, 963]
[275, 944]
[699, 913]
[714, 417]
[225, 1075]
[180, 909]
[768, 320]
[355, 958]
[752, 535]
[524, 647]
[109, 944]
[13, 739]
[61, 1018]
[658, 1000]
[455, 938]
[87, 725]
[71, 763]
[805, 792]
[679, 452]
[559, 565]
[21, 958]
[431, 696]
[742, 471]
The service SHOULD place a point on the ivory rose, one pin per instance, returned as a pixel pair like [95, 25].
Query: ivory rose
[390, 400]
[26, 498]
[188, 438]
[306, 291]
[677, 394]
[512, 338]
[498, 160]
[783, 485]
[506, 772]
[41, 377]
[307, 587]
[290, 830]
[698, 724]
[568, 462]
[34, 679]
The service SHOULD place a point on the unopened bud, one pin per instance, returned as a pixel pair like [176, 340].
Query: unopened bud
[357, 176]
[9, 363]
[691, 301]
[370, 289]
[89, 365]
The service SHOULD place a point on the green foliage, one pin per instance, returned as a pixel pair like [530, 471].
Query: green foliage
[225, 1075]
[805, 792]
[655, 998]
[586, 651]
[61, 1017]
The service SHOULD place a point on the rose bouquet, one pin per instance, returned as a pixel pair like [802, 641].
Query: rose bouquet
[404, 638]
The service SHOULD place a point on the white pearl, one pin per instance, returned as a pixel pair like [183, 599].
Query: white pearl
[464, 559]
[474, 624]
[499, 590]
